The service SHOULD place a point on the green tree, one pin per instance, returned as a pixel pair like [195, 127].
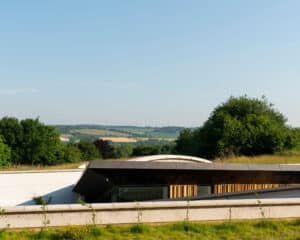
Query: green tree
[146, 149]
[71, 154]
[5, 154]
[41, 144]
[240, 126]
[123, 150]
[243, 125]
[88, 150]
[185, 143]
[105, 148]
[11, 130]
[293, 139]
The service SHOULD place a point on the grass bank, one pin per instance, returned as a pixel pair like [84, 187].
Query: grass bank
[41, 167]
[285, 158]
[246, 230]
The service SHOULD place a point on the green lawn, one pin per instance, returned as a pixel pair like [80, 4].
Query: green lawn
[266, 230]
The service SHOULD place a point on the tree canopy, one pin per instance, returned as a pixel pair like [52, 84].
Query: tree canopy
[88, 150]
[31, 142]
[40, 143]
[5, 154]
[240, 126]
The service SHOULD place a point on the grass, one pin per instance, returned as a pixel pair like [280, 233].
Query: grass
[285, 158]
[40, 167]
[244, 230]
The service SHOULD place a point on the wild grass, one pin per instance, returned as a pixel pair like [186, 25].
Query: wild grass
[244, 230]
[41, 167]
[282, 158]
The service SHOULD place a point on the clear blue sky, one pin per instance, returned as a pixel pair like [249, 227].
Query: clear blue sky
[158, 62]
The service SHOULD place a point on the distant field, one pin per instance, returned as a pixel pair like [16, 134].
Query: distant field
[264, 159]
[92, 132]
[99, 132]
[120, 139]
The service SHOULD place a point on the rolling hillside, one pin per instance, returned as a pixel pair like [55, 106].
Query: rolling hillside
[130, 134]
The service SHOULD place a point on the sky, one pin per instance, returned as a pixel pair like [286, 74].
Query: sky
[146, 63]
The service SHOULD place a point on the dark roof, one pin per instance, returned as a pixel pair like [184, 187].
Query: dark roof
[109, 164]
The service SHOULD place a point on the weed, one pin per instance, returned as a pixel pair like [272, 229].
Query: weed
[89, 206]
[43, 202]
[187, 214]
[139, 213]
[2, 214]
[261, 210]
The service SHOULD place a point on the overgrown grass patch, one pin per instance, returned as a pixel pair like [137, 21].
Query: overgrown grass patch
[139, 228]
[241, 230]
[282, 158]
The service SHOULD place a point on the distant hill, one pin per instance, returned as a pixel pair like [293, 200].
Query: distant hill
[122, 134]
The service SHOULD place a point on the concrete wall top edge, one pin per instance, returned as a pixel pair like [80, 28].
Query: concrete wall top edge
[42, 171]
[151, 205]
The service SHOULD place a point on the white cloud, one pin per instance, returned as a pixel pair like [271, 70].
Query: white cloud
[17, 91]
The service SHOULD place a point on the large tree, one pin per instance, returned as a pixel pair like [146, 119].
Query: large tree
[105, 148]
[241, 126]
[185, 143]
[41, 144]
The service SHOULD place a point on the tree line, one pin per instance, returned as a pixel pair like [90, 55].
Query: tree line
[31, 142]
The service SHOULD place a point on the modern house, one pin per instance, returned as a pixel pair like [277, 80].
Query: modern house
[167, 177]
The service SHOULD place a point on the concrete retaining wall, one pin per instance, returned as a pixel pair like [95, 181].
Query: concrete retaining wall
[149, 212]
[19, 188]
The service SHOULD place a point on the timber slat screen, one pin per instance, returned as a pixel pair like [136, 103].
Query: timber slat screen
[228, 188]
[181, 191]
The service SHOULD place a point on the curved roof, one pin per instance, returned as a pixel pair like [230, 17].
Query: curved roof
[169, 158]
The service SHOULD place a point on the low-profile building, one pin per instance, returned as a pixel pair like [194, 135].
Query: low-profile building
[167, 177]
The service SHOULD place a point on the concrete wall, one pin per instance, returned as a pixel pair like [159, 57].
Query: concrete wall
[19, 188]
[150, 212]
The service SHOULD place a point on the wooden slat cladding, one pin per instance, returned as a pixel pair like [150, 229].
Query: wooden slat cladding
[180, 191]
[228, 188]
